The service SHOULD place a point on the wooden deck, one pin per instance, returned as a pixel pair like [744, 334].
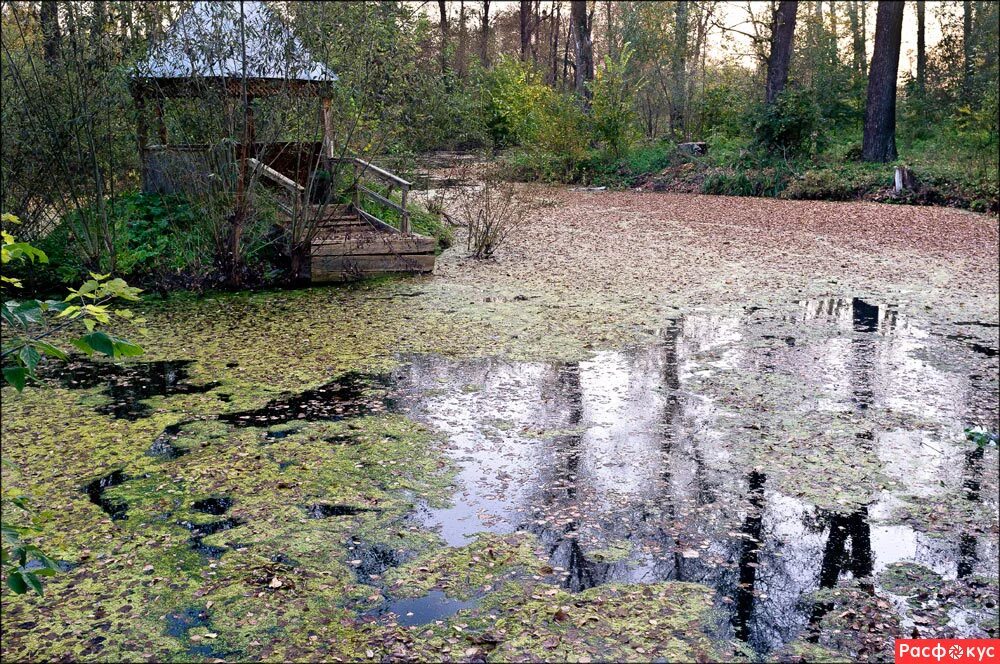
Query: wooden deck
[348, 242]
[350, 247]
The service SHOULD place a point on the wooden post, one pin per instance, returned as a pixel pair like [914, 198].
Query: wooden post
[357, 184]
[160, 124]
[142, 135]
[404, 224]
[327, 129]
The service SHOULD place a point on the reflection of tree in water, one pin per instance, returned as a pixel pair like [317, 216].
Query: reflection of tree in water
[752, 530]
[967, 542]
[561, 539]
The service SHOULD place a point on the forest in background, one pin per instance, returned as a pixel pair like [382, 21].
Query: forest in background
[597, 93]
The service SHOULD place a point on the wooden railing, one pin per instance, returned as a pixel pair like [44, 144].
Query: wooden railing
[295, 190]
[362, 170]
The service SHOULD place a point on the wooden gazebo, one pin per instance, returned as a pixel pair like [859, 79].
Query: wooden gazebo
[242, 51]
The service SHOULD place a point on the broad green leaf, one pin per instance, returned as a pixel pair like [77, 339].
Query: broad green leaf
[100, 342]
[50, 350]
[15, 376]
[82, 345]
[29, 358]
[16, 583]
[33, 581]
[126, 349]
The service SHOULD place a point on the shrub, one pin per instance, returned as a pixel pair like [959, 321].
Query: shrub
[491, 212]
[514, 102]
[790, 125]
[613, 119]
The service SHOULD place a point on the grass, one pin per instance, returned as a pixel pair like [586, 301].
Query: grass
[953, 171]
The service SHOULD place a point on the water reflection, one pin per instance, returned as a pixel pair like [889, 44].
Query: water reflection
[628, 471]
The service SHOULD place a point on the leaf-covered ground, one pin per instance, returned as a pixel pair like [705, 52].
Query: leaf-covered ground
[655, 427]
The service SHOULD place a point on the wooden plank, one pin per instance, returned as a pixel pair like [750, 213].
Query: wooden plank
[372, 264]
[382, 173]
[379, 198]
[275, 176]
[373, 245]
[376, 222]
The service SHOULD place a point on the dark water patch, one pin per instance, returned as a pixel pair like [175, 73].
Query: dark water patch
[116, 508]
[327, 510]
[342, 439]
[200, 531]
[435, 605]
[976, 323]
[370, 561]
[164, 446]
[179, 622]
[126, 384]
[350, 395]
[216, 506]
[974, 345]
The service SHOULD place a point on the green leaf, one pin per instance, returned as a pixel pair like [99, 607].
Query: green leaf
[50, 350]
[126, 349]
[15, 376]
[100, 342]
[29, 358]
[16, 583]
[33, 581]
[82, 345]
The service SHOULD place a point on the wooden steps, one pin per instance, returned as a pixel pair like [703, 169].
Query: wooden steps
[348, 247]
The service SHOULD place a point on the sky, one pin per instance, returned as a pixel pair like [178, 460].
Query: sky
[734, 14]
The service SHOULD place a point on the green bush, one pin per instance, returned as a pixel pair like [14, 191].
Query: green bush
[612, 111]
[789, 126]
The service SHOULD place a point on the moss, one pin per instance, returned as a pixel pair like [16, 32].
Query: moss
[665, 621]
[470, 570]
[613, 552]
[908, 579]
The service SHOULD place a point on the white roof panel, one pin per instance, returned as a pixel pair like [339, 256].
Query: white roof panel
[206, 42]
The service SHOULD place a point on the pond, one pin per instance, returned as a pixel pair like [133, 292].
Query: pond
[784, 480]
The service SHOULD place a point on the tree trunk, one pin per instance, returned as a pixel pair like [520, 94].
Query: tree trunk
[525, 20]
[583, 48]
[678, 66]
[51, 34]
[460, 56]
[556, 27]
[879, 144]
[968, 65]
[857, 41]
[782, 33]
[609, 30]
[484, 35]
[921, 49]
[443, 9]
[98, 19]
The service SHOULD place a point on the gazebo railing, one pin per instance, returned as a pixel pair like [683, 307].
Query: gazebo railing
[365, 169]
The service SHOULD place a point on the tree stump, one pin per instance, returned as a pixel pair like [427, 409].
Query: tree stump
[904, 179]
[693, 148]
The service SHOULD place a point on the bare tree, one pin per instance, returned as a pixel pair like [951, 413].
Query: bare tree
[525, 25]
[443, 9]
[782, 33]
[968, 64]
[879, 143]
[921, 49]
[484, 35]
[583, 48]
[678, 66]
[51, 33]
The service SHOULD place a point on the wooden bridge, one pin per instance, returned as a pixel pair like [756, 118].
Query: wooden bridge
[346, 241]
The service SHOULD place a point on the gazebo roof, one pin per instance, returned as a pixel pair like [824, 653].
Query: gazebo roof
[207, 42]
